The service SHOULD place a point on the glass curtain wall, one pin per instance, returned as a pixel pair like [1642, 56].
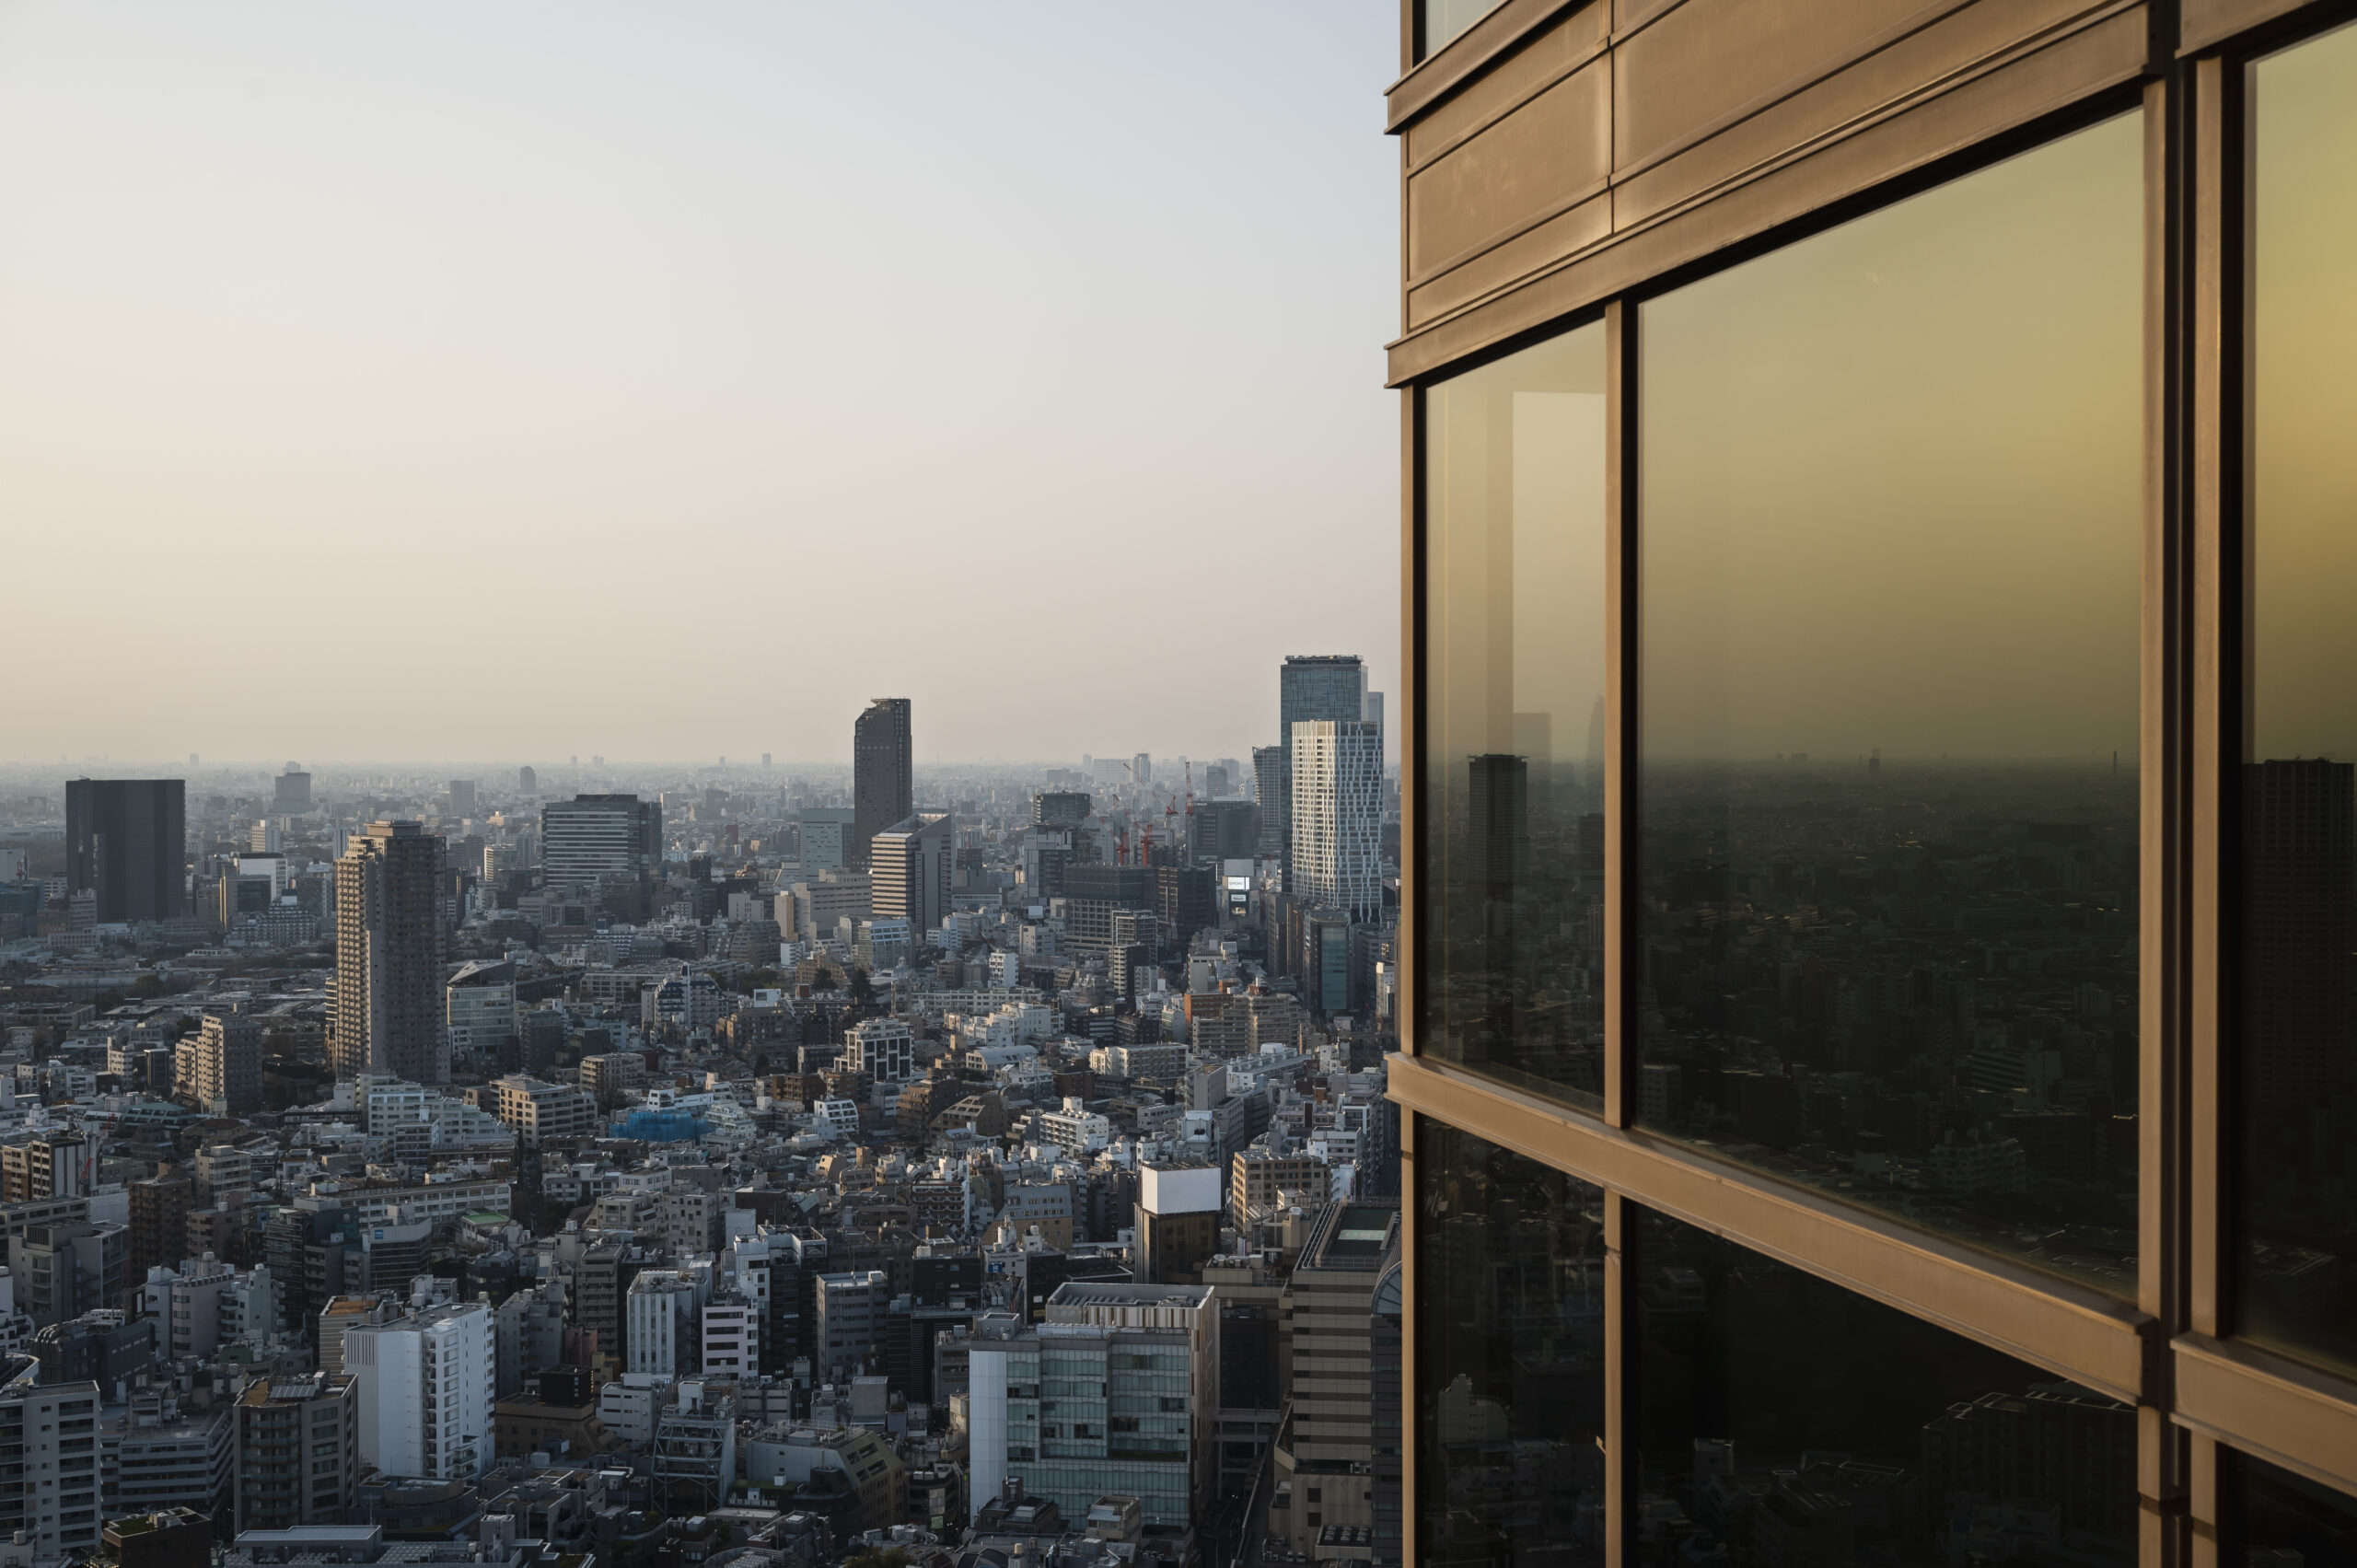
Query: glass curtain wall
[1891, 490]
[1510, 1341]
[1512, 798]
[1784, 1420]
[2299, 776]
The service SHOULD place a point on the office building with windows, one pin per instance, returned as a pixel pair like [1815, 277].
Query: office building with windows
[388, 1013]
[592, 837]
[126, 841]
[1879, 1073]
[883, 775]
[909, 870]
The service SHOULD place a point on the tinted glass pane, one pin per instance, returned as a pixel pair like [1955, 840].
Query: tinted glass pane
[1784, 1420]
[1444, 20]
[1889, 558]
[1514, 718]
[2299, 982]
[2277, 1520]
[1510, 1358]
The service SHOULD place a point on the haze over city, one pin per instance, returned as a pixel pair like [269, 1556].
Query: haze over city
[561, 380]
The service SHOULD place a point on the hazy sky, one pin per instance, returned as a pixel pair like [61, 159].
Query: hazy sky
[509, 381]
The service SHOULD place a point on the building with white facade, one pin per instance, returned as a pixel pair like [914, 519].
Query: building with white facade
[732, 1338]
[627, 1406]
[426, 1384]
[885, 1049]
[1337, 817]
[1149, 1352]
[664, 1309]
[1076, 1128]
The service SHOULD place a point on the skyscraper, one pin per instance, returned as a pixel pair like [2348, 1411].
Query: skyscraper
[1274, 794]
[883, 777]
[1338, 815]
[388, 1004]
[1313, 687]
[909, 871]
[592, 836]
[126, 839]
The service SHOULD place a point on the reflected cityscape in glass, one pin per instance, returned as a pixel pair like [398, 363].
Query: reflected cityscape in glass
[1514, 719]
[1780, 1419]
[1889, 565]
[2299, 784]
[2275, 1519]
[1510, 1349]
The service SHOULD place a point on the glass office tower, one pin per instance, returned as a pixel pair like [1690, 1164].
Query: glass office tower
[1881, 958]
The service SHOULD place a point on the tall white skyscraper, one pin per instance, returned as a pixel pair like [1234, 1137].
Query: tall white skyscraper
[426, 1384]
[1336, 825]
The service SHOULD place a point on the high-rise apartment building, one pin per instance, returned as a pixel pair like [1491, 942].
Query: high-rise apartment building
[1337, 816]
[1757, 432]
[909, 870]
[223, 1065]
[1273, 793]
[665, 1310]
[298, 1450]
[388, 1013]
[1312, 687]
[883, 774]
[1325, 1454]
[425, 1385]
[126, 841]
[462, 797]
[159, 1228]
[52, 1432]
[594, 836]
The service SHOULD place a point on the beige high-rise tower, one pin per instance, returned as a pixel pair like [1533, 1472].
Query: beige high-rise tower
[388, 956]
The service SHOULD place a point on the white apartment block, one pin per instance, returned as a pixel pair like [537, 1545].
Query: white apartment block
[885, 1049]
[664, 1308]
[426, 1383]
[1338, 815]
[732, 1339]
[1076, 1128]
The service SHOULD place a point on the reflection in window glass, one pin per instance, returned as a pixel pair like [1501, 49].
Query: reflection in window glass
[1512, 978]
[2299, 980]
[1510, 1358]
[1783, 1420]
[2277, 1520]
[1441, 20]
[1889, 564]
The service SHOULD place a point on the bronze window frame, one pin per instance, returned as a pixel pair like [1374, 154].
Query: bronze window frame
[2171, 1350]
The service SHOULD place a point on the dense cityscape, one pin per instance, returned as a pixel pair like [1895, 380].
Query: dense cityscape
[952, 1163]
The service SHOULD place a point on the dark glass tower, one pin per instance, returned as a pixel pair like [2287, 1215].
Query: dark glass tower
[127, 839]
[883, 777]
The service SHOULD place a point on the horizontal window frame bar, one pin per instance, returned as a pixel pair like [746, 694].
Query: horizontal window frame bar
[2234, 1392]
[2100, 1342]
